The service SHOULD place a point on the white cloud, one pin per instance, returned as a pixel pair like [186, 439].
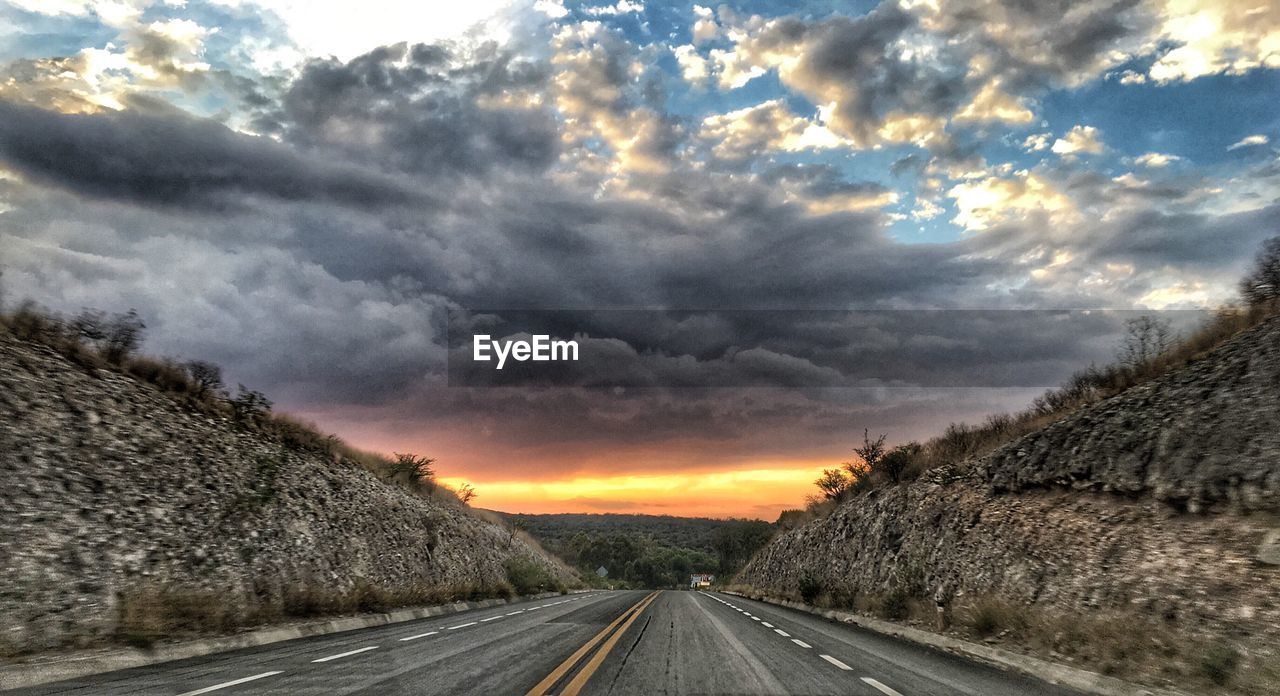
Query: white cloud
[1037, 142]
[1217, 36]
[1130, 77]
[695, 68]
[992, 103]
[620, 8]
[1156, 159]
[767, 126]
[704, 24]
[986, 202]
[1250, 141]
[1078, 140]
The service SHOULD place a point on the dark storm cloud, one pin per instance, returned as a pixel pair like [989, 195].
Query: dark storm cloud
[174, 160]
[417, 108]
[797, 348]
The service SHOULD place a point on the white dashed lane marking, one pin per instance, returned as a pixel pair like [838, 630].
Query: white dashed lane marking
[224, 685]
[491, 618]
[782, 633]
[836, 662]
[346, 654]
[801, 643]
[881, 687]
[420, 635]
[454, 628]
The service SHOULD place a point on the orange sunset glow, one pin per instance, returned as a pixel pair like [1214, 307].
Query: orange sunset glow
[753, 492]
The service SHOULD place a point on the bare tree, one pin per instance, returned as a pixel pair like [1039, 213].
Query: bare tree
[1262, 284]
[250, 406]
[467, 493]
[871, 452]
[116, 336]
[417, 469]
[206, 375]
[1145, 338]
[833, 483]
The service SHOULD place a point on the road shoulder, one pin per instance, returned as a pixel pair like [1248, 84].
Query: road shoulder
[1063, 675]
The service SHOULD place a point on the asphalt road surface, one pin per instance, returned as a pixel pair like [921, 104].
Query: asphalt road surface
[636, 642]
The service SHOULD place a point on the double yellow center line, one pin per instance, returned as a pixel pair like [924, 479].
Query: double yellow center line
[613, 632]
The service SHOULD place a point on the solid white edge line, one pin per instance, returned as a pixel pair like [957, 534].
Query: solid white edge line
[224, 685]
[881, 687]
[346, 654]
[454, 628]
[420, 635]
[836, 662]
[801, 643]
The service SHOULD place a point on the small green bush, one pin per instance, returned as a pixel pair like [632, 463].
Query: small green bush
[894, 606]
[810, 587]
[1219, 663]
[528, 576]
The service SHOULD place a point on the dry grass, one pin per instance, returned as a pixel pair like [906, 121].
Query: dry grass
[149, 614]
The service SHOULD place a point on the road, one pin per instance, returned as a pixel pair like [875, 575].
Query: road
[632, 642]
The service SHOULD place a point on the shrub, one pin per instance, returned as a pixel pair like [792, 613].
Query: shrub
[895, 605]
[810, 586]
[417, 470]
[250, 406]
[897, 461]
[528, 576]
[166, 374]
[1218, 664]
[116, 336]
[205, 376]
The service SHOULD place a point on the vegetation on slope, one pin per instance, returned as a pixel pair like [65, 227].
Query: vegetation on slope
[95, 341]
[1149, 350]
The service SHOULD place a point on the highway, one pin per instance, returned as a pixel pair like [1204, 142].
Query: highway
[625, 642]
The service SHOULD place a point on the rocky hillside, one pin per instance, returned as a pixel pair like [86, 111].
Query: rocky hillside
[114, 491]
[1161, 502]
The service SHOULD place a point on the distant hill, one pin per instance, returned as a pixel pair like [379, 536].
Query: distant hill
[555, 530]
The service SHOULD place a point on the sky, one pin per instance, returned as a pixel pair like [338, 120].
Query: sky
[303, 193]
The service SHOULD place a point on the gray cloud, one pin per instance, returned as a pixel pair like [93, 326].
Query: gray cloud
[417, 108]
[172, 159]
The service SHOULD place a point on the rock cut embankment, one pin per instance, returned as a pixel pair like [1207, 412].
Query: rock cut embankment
[111, 487]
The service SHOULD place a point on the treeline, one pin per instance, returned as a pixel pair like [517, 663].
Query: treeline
[647, 550]
[698, 533]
